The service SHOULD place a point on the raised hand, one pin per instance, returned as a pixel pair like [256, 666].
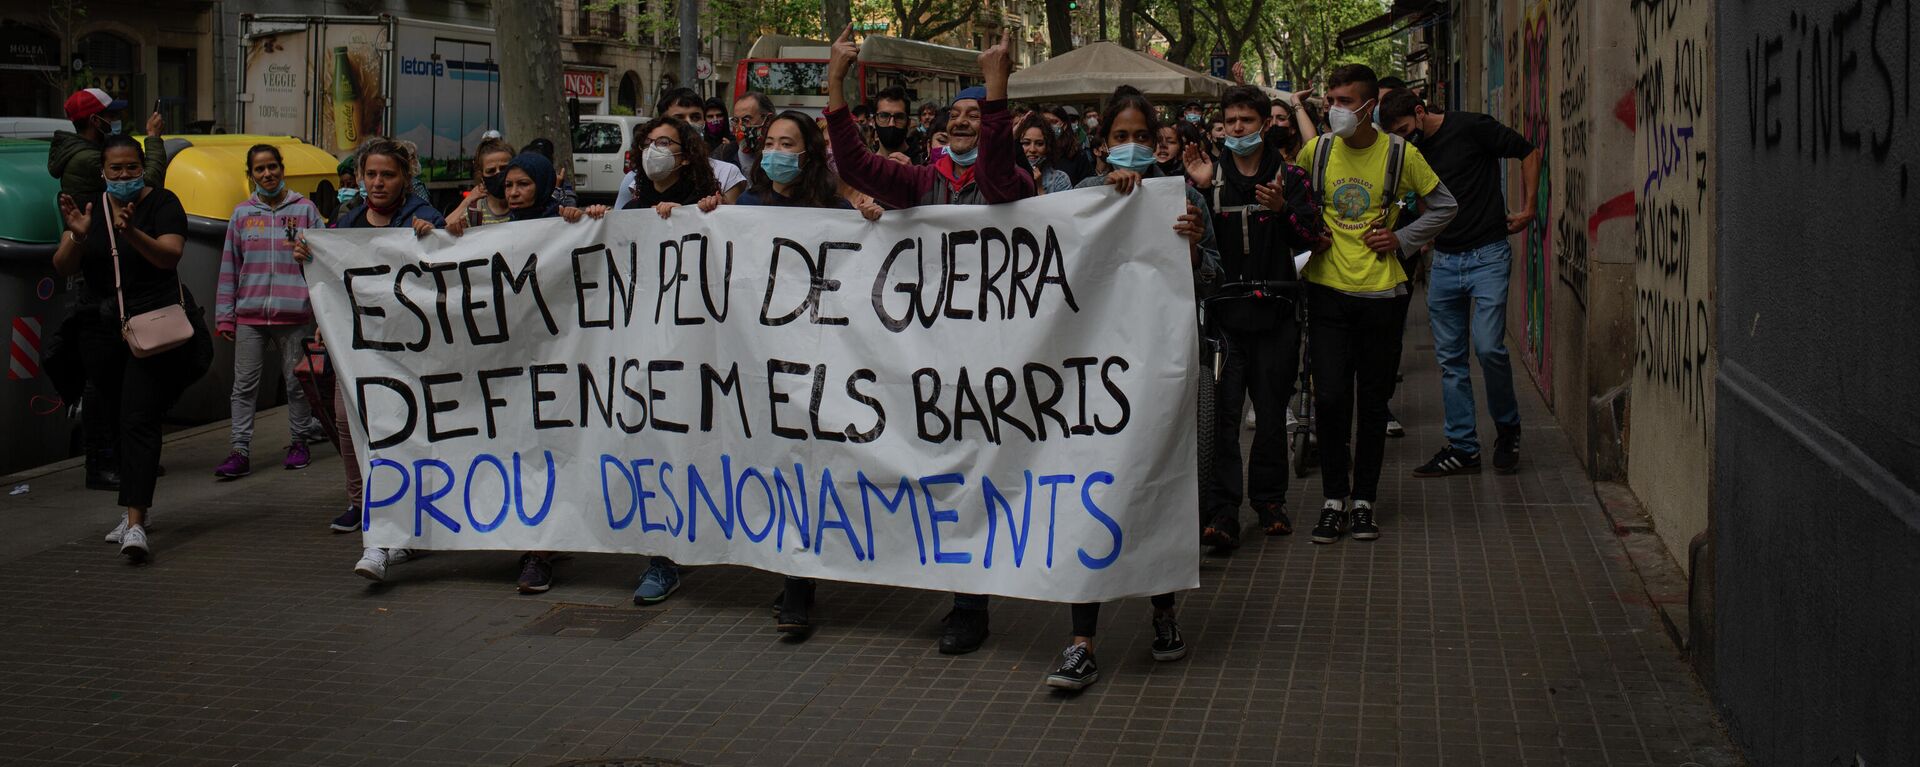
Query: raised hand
[996, 65]
[1239, 72]
[1269, 195]
[156, 124]
[121, 215]
[78, 219]
[1199, 167]
[840, 62]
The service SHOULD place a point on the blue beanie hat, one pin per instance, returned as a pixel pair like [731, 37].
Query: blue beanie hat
[977, 93]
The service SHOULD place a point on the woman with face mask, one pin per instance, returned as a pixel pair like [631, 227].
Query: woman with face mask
[486, 203]
[385, 170]
[674, 169]
[128, 243]
[1130, 129]
[793, 172]
[261, 304]
[1037, 147]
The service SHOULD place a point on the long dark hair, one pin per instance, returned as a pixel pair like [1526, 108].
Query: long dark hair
[816, 187]
[1124, 98]
[693, 149]
[1052, 151]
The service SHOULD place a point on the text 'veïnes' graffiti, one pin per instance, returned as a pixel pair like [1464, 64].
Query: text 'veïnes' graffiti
[1835, 83]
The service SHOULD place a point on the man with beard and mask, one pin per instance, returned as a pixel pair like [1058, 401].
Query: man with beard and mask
[750, 114]
[892, 124]
[1467, 293]
[1357, 291]
[684, 105]
[982, 167]
[1264, 214]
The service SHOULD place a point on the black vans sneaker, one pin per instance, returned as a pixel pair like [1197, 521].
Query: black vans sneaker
[1075, 670]
[1223, 532]
[1167, 644]
[1362, 527]
[1506, 449]
[1333, 524]
[1448, 462]
[966, 631]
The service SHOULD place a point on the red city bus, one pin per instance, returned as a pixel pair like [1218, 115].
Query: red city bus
[792, 71]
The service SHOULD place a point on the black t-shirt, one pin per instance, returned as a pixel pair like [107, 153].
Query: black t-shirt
[1466, 152]
[146, 286]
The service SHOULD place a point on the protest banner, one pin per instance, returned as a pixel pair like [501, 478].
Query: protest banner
[979, 399]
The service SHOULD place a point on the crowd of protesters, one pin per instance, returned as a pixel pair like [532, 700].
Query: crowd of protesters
[1331, 216]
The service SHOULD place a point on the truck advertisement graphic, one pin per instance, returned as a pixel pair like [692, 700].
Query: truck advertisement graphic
[334, 81]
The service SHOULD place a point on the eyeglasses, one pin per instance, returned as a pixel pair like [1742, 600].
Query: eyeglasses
[749, 120]
[664, 142]
[890, 118]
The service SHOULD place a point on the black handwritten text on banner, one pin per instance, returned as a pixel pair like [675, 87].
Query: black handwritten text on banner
[978, 399]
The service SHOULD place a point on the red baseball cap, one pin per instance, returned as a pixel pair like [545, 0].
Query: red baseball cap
[87, 102]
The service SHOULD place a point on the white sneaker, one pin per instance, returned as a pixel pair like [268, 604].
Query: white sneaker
[1248, 421]
[1394, 429]
[118, 530]
[133, 543]
[398, 556]
[372, 565]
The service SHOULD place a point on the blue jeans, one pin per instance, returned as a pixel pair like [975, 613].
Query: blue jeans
[1469, 290]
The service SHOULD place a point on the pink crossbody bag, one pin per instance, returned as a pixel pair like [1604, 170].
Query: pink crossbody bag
[154, 332]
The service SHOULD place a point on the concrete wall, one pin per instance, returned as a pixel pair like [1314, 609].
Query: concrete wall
[1669, 463]
[1816, 544]
[1558, 71]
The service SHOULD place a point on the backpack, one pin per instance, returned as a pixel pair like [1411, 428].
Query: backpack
[1396, 161]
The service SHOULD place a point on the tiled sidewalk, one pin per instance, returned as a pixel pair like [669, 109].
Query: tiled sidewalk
[1496, 623]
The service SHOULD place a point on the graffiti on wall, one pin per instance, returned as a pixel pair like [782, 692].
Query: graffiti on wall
[1835, 84]
[1496, 62]
[1673, 258]
[1570, 241]
[1536, 108]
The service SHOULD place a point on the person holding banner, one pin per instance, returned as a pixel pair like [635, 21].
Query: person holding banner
[982, 166]
[793, 172]
[487, 203]
[1130, 129]
[674, 159]
[528, 183]
[386, 180]
[128, 243]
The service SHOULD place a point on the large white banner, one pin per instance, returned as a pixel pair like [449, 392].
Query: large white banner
[979, 399]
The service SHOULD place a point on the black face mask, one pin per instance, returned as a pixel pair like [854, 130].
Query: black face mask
[496, 185]
[1278, 136]
[1173, 167]
[1416, 136]
[891, 136]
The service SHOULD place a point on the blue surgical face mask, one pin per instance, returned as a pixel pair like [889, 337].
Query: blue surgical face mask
[348, 195]
[125, 191]
[1134, 157]
[1242, 145]
[782, 167]
[278, 188]
[964, 159]
[1057, 129]
[1193, 117]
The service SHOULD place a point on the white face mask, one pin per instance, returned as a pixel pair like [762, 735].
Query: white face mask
[1343, 120]
[658, 161]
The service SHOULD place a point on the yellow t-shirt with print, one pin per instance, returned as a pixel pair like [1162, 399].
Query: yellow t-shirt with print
[1351, 202]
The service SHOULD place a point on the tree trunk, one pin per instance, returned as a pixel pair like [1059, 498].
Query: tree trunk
[530, 96]
[1129, 37]
[835, 15]
[1059, 28]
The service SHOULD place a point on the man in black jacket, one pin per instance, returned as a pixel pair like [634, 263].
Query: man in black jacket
[1264, 214]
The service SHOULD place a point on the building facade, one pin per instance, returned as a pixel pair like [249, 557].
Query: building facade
[1719, 306]
[145, 52]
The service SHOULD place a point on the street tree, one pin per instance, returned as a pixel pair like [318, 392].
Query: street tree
[530, 93]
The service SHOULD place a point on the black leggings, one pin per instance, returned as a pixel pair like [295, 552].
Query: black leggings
[1086, 615]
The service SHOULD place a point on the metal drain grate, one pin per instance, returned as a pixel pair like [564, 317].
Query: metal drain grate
[591, 622]
[637, 761]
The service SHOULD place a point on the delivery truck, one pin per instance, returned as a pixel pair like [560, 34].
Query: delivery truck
[333, 81]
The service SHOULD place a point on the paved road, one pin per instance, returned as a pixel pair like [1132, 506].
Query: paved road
[1496, 623]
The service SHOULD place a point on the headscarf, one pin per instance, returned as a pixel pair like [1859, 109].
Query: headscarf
[540, 169]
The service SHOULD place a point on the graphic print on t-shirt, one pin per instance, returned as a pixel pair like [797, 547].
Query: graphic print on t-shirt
[1352, 197]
